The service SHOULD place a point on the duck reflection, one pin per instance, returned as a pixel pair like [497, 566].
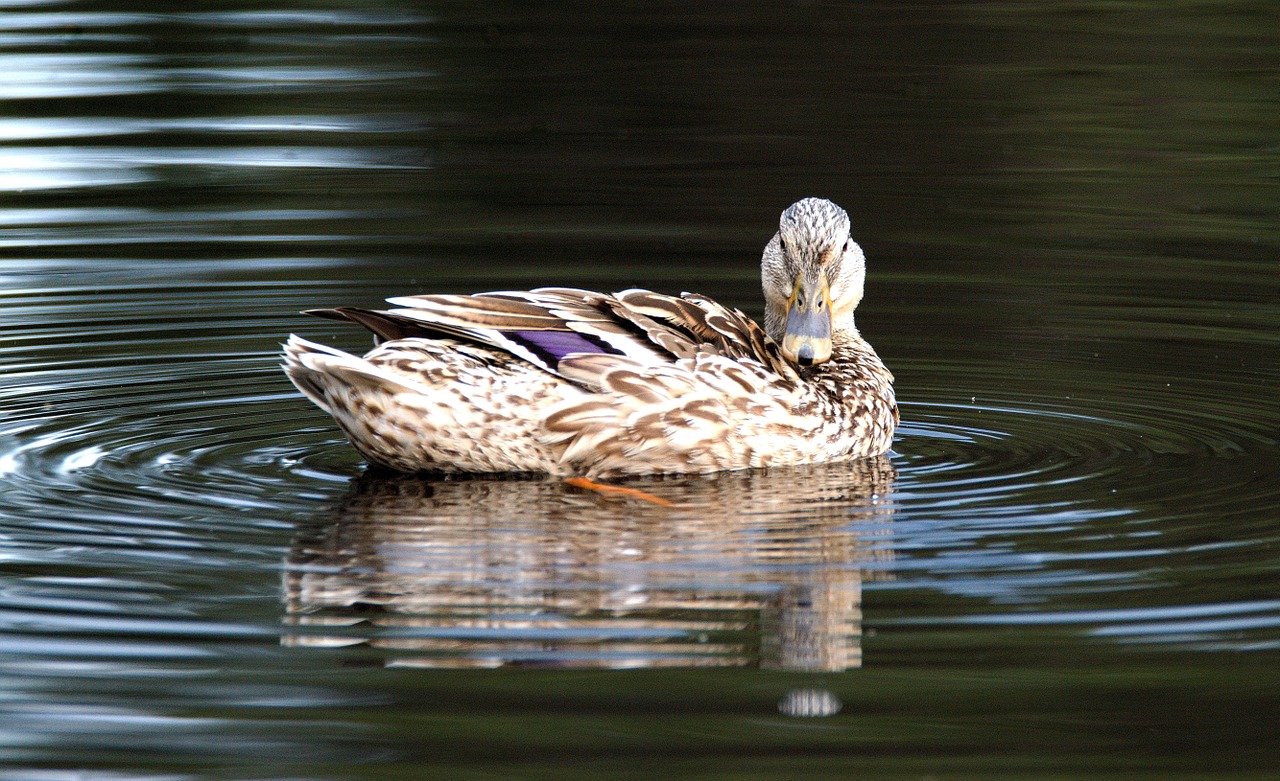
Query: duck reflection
[760, 568]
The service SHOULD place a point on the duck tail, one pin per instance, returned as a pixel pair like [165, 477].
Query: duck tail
[325, 374]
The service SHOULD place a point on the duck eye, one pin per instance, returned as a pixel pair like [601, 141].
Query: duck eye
[848, 245]
[782, 244]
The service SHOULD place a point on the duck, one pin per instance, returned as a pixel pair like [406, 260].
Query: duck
[586, 385]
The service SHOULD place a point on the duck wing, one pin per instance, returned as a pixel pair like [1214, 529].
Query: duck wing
[706, 325]
[546, 326]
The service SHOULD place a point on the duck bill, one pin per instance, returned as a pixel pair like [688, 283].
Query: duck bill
[807, 339]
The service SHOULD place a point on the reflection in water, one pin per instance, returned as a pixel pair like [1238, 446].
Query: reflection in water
[809, 703]
[751, 568]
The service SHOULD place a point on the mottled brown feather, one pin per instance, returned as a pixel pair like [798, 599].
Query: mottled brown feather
[677, 383]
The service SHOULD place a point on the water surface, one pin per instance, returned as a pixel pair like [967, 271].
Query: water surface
[1065, 568]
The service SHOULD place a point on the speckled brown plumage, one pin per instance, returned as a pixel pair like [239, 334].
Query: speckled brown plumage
[573, 382]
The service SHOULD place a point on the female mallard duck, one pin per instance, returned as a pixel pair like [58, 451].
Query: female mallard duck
[572, 382]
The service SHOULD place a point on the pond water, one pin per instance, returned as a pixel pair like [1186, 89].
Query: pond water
[1066, 567]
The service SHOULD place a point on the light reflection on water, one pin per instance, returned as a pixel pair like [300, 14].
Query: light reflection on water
[1066, 561]
[26, 129]
[59, 167]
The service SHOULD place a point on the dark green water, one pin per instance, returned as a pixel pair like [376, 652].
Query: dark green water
[1068, 567]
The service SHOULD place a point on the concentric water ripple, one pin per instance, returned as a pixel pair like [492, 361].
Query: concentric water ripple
[1023, 501]
[1014, 500]
[1066, 567]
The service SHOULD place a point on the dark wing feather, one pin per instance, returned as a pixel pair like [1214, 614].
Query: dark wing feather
[384, 325]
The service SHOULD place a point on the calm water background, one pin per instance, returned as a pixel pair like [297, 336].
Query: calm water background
[1067, 567]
